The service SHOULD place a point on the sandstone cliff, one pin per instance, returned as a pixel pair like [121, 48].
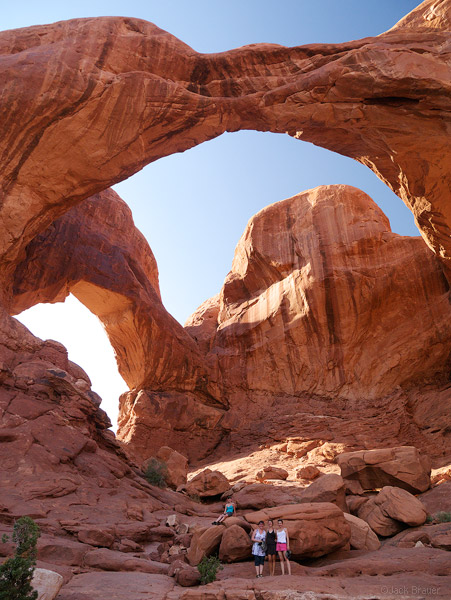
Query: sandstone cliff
[100, 98]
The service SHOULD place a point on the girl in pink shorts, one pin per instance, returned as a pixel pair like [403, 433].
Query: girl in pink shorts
[282, 545]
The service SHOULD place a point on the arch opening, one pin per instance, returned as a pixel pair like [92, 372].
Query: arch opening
[81, 332]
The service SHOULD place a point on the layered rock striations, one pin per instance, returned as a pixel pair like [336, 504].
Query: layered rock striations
[95, 252]
[100, 98]
[329, 326]
[324, 298]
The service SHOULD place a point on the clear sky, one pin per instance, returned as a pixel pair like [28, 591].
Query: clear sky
[193, 207]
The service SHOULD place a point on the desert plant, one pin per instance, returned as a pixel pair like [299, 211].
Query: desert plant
[16, 573]
[208, 568]
[442, 517]
[156, 472]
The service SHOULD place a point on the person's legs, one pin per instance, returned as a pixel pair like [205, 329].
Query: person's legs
[256, 565]
[288, 562]
[272, 564]
[282, 562]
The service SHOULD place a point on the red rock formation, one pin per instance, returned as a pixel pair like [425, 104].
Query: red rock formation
[313, 303]
[121, 93]
[324, 301]
[95, 252]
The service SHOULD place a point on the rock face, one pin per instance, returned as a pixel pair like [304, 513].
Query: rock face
[346, 97]
[403, 467]
[111, 269]
[306, 285]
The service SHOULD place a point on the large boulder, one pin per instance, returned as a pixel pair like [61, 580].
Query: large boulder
[235, 545]
[271, 472]
[402, 467]
[204, 542]
[328, 488]
[176, 464]
[207, 483]
[259, 495]
[46, 583]
[390, 510]
[314, 529]
[362, 536]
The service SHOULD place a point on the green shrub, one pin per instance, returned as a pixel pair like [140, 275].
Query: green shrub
[208, 567]
[195, 497]
[442, 517]
[156, 472]
[16, 573]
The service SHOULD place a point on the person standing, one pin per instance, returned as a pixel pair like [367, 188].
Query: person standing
[282, 545]
[271, 547]
[259, 548]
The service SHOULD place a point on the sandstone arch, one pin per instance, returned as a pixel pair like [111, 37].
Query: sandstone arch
[100, 98]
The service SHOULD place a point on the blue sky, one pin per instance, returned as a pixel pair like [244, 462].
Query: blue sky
[193, 207]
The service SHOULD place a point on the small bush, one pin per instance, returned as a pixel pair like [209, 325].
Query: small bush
[16, 573]
[156, 473]
[442, 517]
[195, 497]
[208, 568]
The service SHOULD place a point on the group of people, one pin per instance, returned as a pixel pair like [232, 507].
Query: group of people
[267, 542]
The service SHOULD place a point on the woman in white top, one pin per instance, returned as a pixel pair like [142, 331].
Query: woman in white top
[259, 548]
[282, 545]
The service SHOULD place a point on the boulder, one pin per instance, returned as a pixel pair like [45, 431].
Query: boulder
[237, 521]
[362, 536]
[46, 583]
[207, 483]
[328, 488]
[203, 543]
[315, 529]
[259, 495]
[437, 536]
[390, 509]
[401, 505]
[270, 472]
[96, 537]
[353, 503]
[298, 448]
[172, 521]
[402, 467]
[187, 576]
[176, 464]
[308, 472]
[379, 522]
[235, 545]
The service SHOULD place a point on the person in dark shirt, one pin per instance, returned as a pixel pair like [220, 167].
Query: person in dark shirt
[271, 547]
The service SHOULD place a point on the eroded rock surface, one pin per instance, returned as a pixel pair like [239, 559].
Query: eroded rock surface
[137, 93]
